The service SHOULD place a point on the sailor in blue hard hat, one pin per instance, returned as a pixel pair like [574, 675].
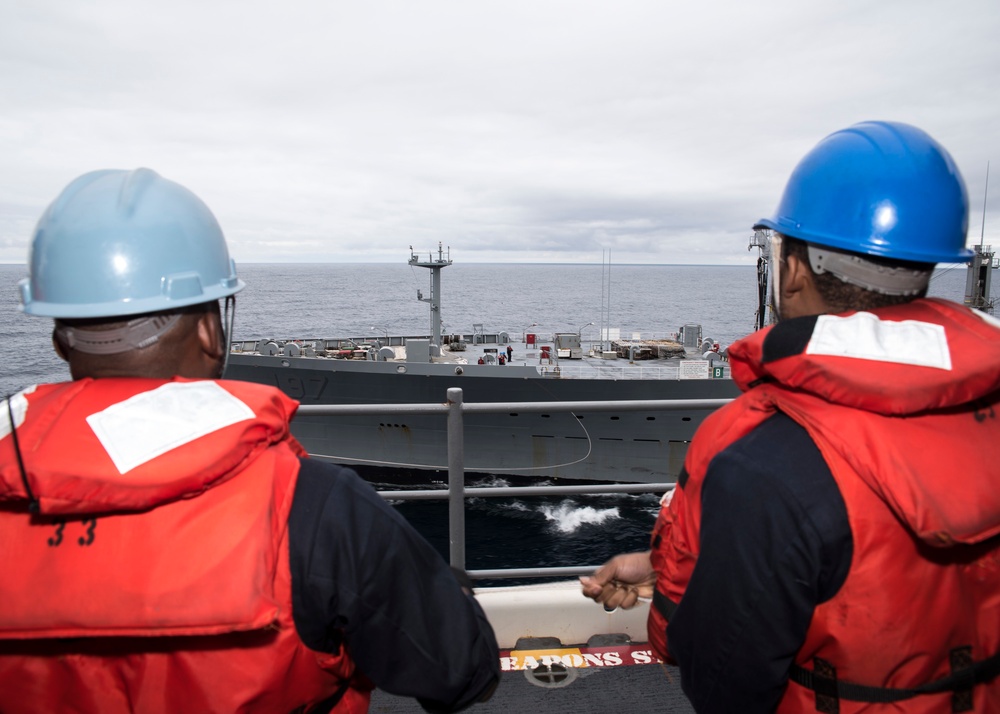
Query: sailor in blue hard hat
[874, 206]
[849, 491]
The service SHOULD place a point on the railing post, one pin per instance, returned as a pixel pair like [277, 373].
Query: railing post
[456, 479]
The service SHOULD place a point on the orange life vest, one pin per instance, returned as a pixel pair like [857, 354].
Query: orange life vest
[908, 420]
[146, 553]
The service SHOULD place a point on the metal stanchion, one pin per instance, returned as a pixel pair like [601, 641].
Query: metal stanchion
[456, 479]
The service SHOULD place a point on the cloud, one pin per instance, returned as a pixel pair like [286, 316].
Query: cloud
[512, 131]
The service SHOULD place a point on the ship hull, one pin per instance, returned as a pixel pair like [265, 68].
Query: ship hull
[625, 446]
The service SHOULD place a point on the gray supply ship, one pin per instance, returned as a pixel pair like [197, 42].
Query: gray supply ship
[625, 445]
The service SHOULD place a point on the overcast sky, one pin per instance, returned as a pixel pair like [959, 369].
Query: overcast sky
[326, 131]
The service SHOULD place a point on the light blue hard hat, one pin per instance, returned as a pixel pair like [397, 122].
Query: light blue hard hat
[883, 189]
[118, 243]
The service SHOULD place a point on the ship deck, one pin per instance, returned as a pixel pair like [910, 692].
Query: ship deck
[641, 688]
[644, 358]
[614, 670]
[620, 443]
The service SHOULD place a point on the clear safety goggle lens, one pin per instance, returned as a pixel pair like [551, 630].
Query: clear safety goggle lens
[774, 258]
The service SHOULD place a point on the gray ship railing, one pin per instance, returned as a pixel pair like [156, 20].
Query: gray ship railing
[454, 409]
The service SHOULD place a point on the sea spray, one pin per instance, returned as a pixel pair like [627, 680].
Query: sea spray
[569, 517]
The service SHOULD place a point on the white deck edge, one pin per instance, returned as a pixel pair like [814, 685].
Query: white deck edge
[556, 610]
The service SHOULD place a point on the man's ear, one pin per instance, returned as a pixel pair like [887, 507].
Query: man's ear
[210, 336]
[59, 347]
[794, 274]
[799, 295]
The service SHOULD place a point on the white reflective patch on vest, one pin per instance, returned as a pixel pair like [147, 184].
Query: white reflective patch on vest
[988, 319]
[18, 406]
[864, 336]
[152, 423]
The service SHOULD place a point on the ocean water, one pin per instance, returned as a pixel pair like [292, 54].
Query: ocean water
[297, 300]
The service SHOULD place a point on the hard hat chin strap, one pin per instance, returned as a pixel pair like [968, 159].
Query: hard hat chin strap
[133, 335]
[854, 269]
[228, 318]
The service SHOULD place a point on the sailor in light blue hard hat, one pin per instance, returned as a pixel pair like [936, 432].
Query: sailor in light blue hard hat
[119, 258]
[217, 567]
[876, 206]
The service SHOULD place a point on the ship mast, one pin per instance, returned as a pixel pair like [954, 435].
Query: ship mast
[762, 241]
[435, 266]
[980, 270]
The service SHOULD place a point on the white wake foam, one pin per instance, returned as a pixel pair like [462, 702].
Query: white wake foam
[568, 518]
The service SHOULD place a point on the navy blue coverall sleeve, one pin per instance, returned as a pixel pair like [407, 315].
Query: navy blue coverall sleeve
[775, 542]
[362, 576]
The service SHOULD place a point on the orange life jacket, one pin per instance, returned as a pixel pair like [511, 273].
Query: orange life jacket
[905, 408]
[146, 553]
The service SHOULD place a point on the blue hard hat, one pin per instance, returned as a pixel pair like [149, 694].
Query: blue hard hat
[883, 189]
[117, 243]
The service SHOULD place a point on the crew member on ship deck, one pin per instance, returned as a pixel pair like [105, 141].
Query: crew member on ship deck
[168, 545]
[832, 544]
